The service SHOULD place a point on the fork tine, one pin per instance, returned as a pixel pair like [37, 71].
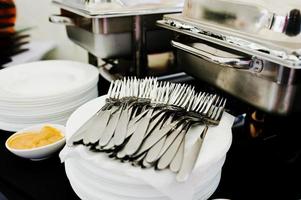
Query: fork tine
[114, 89]
[216, 107]
[210, 112]
[205, 103]
[220, 109]
[175, 94]
[110, 89]
[116, 92]
[189, 101]
[187, 94]
[196, 101]
[179, 93]
[209, 104]
[202, 102]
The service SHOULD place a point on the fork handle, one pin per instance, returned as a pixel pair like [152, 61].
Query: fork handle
[191, 157]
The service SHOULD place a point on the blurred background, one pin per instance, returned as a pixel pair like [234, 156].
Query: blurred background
[35, 14]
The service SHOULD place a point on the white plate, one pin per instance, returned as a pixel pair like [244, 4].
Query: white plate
[55, 115]
[16, 127]
[44, 79]
[54, 100]
[48, 110]
[87, 189]
[115, 183]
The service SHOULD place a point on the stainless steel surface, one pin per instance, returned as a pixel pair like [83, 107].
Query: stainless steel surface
[104, 38]
[95, 130]
[257, 17]
[190, 159]
[282, 52]
[122, 126]
[116, 37]
[275, 88]
[120, 8]
[217, 56]
[58, 19]
[153, 152]
[154, 138]
[105, 73]
[213, 117]
[170, 148]
[118, 28]
[138, 136]
[109, 127]
[176, 163]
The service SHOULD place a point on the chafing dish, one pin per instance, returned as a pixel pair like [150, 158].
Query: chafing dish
[262, 67]
[117, 28]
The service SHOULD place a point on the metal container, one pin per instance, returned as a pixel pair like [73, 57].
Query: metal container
[108, 29]
[265, 73]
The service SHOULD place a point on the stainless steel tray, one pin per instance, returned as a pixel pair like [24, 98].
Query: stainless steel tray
[266, 85]
[112, 37]
[265, 75]
[288, 54]
[273, 21]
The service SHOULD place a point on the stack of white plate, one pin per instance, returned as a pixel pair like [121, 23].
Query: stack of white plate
[44, 92]
[95, 176]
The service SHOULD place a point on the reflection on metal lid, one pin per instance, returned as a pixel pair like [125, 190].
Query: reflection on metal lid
[245, 16]
[114, 8]
[275, 53]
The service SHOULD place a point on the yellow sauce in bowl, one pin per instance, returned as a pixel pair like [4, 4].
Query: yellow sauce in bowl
[33, 139]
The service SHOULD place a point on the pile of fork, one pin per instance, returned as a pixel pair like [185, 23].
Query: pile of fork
[145, 122]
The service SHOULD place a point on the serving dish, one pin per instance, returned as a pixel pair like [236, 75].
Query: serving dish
[38, 153]
[261, 68]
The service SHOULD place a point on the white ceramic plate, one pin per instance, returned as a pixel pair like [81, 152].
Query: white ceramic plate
[48, 110]
[115, 183]
[28, 102]
[85, 188]
[16, 119]
[44, 79]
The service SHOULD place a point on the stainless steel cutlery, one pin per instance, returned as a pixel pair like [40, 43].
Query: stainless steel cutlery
[146, 122]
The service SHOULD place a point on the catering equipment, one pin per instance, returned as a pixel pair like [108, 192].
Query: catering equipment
[117, 29]
[261, 68]
[259, 73]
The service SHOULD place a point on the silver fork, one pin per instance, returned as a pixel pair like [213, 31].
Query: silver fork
[212, 118]
[83, 131]
[179, 96]
[153, 93]
[198, 103]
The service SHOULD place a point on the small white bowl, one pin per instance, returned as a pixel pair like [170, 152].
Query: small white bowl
[42, 152]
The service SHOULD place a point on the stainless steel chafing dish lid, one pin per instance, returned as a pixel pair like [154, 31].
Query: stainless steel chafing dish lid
[119, 8]
[241, 27]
